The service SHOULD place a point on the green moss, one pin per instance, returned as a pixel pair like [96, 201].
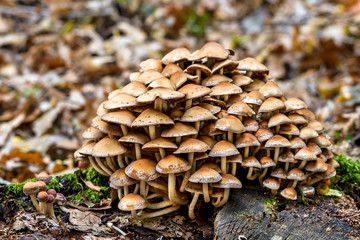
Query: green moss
[53, 184]
[94, 196]
[348, 173]
[17, 188]
[96, 178]
[271, 200]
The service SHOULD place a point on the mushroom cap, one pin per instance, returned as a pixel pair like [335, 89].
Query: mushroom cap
[294, 104]
[134, 88]
[253, 97]
[212, 108]
[108, 147]
[316, 166]
[179, 130]
[314, 148]
[196, 188]
[170, 69]
[196, 114]
[289, 129]
[235, 159]
[305, 154]
[123, 117]
[216, 101]
[44, 177]
[92, 133]
[151, 117]
[316, 125]
[198, 66]
[306, 113]
[271, 104]
[271, 89]
[42, 196]
[215, 79]
[223, 149]
[251, 125]
[52, 192]
[205, 175]
[217, 192]
[60, 197]
[289, 193]
[194, 91]
[240, 108]
[200, 156]
[142, 169]
[120, 179]
[151, 63]
[230, 123]
[277, 141]
[210, 50]
[329, 173]
[30, 188]
[267, 162]
[211, 165]
[162, 82]
[307, 133]
[176, 55]
[322, 141]
[287, 156]
[149, 76]
[246, 140]
[160, 143]
[297, 119]
[208, 140]
[296, 174]
[179, 78]
[42, 185]
[251, 162]
[252, 65]
[278, 173]
[241, 80]
[172, 164]
[132, 201]
[192, 145]
[100, 111]
[327, 153]
[228, 181]
[263, 134]
[254, 86]
[227, 65]
[135, 137]
[107, 128]
[278, 119]
[121, 100]
[333, 163]
[87, 148]
[225, 88]
[271, 183]
[297, 143]
[159, 92]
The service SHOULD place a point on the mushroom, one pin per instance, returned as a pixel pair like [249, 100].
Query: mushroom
[224, 89]
[289, 193]
[205, 176]
[151, 63]
[271, 89]
[171, 165]
[178, 131]
[277, 120]
[251, 65]
[246, 140]
[272, 183]
[304, 154]
[124, 118]
[43, 198]
[196, 189]
[266, 163]
[60, 199]
[193, 91]
[50, 202]
[138, 139]
[132, 202]
[87, 150]
[271, 105]
[178, 55]
[223, 149]
[277, 142]
[227, 181]
[44, 177]
[230, 124]
[197, 114]
[287, 157]
[31, 189]
[296, 175]
[120, 180]
[250, 163]
[161, 144]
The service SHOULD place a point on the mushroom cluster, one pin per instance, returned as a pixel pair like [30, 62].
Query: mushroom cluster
[184, 124]
[45, 198]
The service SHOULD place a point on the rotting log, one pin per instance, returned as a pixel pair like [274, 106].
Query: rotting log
[246, 216]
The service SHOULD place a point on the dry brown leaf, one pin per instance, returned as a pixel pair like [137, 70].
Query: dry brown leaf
[8, 127]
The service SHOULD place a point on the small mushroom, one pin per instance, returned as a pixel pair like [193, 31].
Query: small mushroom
[31, 189]
[43, 198]
[60, 199]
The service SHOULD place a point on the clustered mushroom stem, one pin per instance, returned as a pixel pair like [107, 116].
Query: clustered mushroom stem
[157, 156]
[314, 180]
[226, 97]
[230, 137]
[126, 160]
[173, 196]
[97, 168]
[133, 213]
[110, 163]
[119, 191]
[218, 199]
[156, 195]
[159, 205]
[261, 177]
[137, 187]
[246, 152]
[249, 175]
[152, 132]
[276, 154]
[43, 208]
[161, 212]
[225, 198]
[124, 129]
[158, 186]
[178, 140]
[302, 165]
[233, 168]
[181, 64]
[162, 153]
[33, 199]
[137, 151]
[287, 166]
[277, 129]
[248, 73]
[206, 192]
[221, 71]
[294, 184]
[256, 150]
[192, 206]
[197, 127]
[188, 104]
[126, 190]
[223, 164]
[51, 210]
[268, 152]
[198, 73]
[143, 189]
[158, 104]
[102, 165]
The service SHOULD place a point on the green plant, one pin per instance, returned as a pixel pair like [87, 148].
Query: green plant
[347, 173]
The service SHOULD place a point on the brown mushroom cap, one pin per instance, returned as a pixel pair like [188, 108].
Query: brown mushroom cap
[289, 129]
[287, 156]
[30, 188]
[151, 63]
[251, 125]
[151, 117]
[44, 177]
[294, 104]
[170, 69]
[307, 133]
[135, 137]
[278, 173]
[134, 88]
[297, 119]
[172, 164]
[192, 145]
[159, 92]
[305, 154]
[289, 193]
[246, 140]
[131, 202]
[92, 133]
[277, 141]
[42, 196]
[322, 141]
[176, 55]
[119, 179]
[223, 148]
[263, 134]
[296, 174]
[306, 113]
[241, 80]
[41, 185]
[198, 66]
[142, 169]
[108, 147]
[240, 108]
[162, 82]
[267, 162]
[179, 130]
[107, 128]
[205, 175]
[251, 162]
[228, 181]
[87, 148]
[314, 148]
[271, 89]
[208, 140]
[196, 114]
[271, 104]
[271, 183]
[179, 78]
[215, 79]
[316, 166]
[149, 76]
[196, 188]
[225, 88]
[194, 91]
[227, 65]
[316, 125]
[297, 143]
[210, 50]
[254, 97]
[252, 65]
[160, 143]
[123, 117]
[121, 100]
[278, 119]
[231, 124]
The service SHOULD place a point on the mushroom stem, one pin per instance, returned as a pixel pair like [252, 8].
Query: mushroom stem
[255, 150]
[274, 191]
[126, 190]
[230, 137]
[102, 165]
[223, 164]
[268, 152]
[111, 164]
[206, 192]
[36, 204]
[188, 104]
[197, 127]
[161, 212]
[294, 184]
[198, 73]
[133, 213]
[233, 168]
[158, 104]
[63, 208]
[97, 168]
[160, 205]
[157, 186]
[187, 174]
[178, 140]
[302, 165]
[173, 196]
[192, 206]
[248, 176]
[218, 199]
[221, 71]
[127, 160]
[226, 97]
[261, 177]
[156, 195]
[246, 152]
[287, 166]
[137, 151]
[225, 198]
[137, 186]
[276, 154]
[152, 132]
[143, 189]
[277, 129]
[124, 129]
[43, 207]
[51, 210]
[120, 196]
[162, 153]
[120, 161]
[314, 180]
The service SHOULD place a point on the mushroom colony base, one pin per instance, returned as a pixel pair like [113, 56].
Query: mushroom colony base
[184, 124]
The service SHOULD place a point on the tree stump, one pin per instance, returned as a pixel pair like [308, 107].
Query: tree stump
[246, 216]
